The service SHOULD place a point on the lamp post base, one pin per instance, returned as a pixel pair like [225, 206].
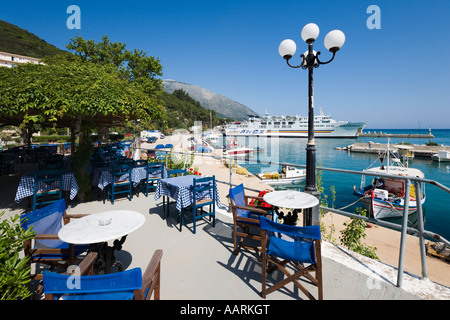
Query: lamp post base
[311, 216]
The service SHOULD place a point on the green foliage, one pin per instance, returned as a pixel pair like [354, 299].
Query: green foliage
[54, 138]
[19, 41]
[327, 234]
[179, 161]
[61, 93]
[353, 233]
[134, 66]
[14, 271]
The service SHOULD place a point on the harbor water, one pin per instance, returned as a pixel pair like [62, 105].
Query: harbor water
[293, 150]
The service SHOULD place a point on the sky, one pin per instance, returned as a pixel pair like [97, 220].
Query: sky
[396, 75]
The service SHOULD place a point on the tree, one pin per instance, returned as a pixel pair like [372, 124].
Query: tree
[134, 66]
[62, 94]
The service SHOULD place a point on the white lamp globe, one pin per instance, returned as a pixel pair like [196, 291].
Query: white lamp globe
[310, 32]
[287, 48]
[334, 40]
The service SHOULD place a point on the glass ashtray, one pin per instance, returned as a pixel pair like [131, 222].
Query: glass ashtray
[104, 221]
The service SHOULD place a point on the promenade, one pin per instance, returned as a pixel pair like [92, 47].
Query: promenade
[202, 266]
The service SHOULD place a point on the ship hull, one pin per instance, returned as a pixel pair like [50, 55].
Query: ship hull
[348, 130]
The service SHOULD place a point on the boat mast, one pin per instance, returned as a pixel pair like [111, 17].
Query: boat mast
[388, 157]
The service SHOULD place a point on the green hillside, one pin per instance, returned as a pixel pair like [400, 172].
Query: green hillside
[183, 110]
[19, 41]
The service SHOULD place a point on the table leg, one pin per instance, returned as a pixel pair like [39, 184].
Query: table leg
[106, 260]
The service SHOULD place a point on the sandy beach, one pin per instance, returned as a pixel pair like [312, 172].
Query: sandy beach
[386, 241]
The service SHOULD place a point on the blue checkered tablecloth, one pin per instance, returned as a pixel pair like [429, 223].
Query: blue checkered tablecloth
[180, 189]
[102, 176]
[26, 186]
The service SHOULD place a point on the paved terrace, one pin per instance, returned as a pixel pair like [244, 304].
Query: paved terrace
[202, 266]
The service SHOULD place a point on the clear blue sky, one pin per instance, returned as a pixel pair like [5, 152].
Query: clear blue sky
[393, 77]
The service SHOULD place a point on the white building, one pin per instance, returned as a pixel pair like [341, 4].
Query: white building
[10, 60]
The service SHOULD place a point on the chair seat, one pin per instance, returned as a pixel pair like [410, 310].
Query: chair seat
[78, 249]
[48, 191]
[122, 182]
[204, 201]
[247, 214]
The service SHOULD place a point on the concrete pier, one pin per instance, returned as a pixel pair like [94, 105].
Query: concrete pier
[396, 135]
[417, 150]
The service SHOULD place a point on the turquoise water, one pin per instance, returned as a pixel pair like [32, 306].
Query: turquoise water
[437, 205]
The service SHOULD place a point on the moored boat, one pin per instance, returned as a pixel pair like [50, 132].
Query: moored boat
[288, 175]
[441, 156]
[384, 197]
[233, 150]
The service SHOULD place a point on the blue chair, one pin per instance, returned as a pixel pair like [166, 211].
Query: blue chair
[48, 248]
[121, 182]
[154, 173]
[47, 187]
[176, 173]
[171, 174]
[246, 219]
[125, 285]
[299, 246]
[144, 182]
[204, 195]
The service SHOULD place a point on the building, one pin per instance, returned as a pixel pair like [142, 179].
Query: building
[10, 60]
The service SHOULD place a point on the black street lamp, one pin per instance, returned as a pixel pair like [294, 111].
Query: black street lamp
[334, 40]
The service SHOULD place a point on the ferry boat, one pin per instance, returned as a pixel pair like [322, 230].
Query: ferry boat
[295, 126]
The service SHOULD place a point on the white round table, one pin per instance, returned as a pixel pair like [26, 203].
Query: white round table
[291, 199]
[101, 227]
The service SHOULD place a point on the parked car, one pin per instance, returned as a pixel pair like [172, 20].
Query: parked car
[151, 139]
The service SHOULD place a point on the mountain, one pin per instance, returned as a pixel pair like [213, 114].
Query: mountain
[222, 105]
[19, 41]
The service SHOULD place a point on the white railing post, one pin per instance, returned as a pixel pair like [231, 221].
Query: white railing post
[403, 233]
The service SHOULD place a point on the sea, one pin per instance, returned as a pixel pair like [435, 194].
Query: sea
[293, 150]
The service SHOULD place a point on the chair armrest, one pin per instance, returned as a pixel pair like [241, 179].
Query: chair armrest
[252, 209]
[151, 278]
[86, 266]
[254, 197]
[46, 237]
[67, 217]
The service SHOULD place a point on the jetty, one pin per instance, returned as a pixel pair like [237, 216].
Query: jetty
[418, 151]
[396, 135]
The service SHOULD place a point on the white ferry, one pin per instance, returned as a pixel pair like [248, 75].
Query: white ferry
[295, 126]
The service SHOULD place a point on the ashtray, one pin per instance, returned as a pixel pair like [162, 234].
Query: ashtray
[104, 221]
[290, 195]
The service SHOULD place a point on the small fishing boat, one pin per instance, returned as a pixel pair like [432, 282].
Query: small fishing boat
[288, 175]
[233, 150]
[441, 156]
[384, 197]
[212, 139]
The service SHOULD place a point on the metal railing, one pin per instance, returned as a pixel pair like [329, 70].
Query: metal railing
[420, 231]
